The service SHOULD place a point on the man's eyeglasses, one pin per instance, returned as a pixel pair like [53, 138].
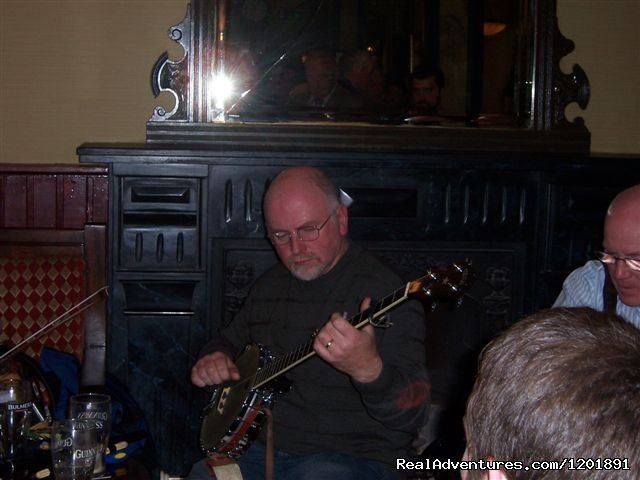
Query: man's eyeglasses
[609, 259]
[307, 233]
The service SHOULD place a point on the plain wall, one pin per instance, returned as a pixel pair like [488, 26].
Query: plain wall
[607, 46]
[76, 71]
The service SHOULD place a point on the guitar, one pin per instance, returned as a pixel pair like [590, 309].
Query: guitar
[236, 413]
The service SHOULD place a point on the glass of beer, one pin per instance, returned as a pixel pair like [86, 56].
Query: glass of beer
[74, 448]
[16, 401]
[97, 407]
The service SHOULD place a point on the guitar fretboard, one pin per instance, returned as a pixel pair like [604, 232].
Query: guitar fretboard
[286, 362]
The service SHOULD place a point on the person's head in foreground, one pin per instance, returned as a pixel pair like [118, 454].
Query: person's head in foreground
[560, 384]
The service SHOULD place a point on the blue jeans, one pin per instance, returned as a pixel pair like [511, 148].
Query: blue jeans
[319, 466]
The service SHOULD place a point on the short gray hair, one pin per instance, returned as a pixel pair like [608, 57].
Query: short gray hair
[563, 383]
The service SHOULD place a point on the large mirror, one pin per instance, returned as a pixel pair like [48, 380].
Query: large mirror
[452, 64]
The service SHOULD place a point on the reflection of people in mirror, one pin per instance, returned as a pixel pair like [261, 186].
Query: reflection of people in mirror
[362, 75]
[321, 88]
[235, 77]
[282, 78]
[427, 89]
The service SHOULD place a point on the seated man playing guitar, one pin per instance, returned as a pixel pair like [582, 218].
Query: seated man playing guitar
[354, 407]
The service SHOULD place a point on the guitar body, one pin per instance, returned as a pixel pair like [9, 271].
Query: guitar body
[235, 415]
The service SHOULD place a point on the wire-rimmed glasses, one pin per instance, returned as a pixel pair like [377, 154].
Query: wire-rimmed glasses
[308, 233]
[610, 258]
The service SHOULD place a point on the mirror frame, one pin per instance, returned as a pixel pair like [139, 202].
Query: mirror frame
[190, 123]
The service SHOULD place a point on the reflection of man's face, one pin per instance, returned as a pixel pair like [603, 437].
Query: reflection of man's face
[321, 76]
[281, 82]
[426, 95]
[363, 75]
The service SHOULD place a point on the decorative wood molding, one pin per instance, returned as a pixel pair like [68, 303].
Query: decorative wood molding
[39, 196]
[567, 88]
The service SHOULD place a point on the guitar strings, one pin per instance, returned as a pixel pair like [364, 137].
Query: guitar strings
[290, 359]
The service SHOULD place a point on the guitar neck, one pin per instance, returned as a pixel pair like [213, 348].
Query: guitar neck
[298, 355]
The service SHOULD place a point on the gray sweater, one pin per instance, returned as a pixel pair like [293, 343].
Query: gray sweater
[325, 410]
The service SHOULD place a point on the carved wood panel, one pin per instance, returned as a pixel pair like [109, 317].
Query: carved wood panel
[52, 196]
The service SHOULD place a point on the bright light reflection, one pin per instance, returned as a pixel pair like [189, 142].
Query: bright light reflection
[221, 91]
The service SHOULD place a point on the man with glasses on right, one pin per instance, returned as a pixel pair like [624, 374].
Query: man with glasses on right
[611, 283]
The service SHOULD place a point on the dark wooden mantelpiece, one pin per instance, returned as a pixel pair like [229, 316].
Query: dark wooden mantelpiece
[187, 241]
[337, 137]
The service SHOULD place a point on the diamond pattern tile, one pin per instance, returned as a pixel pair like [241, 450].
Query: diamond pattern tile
[34, 291]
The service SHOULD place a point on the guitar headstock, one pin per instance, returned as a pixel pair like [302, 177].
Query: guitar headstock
[443, 284]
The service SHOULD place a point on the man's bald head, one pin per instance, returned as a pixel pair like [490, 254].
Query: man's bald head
[622, 239]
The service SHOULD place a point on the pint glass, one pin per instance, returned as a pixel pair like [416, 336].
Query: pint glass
[15, 415]
[96, 407]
